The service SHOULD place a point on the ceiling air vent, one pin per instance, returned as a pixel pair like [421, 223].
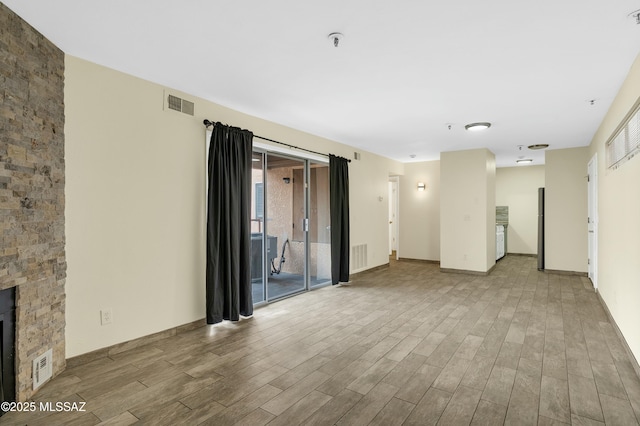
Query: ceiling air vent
[178, 104]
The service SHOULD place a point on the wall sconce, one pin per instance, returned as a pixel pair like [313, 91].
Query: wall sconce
[286, 180]
[421, 186]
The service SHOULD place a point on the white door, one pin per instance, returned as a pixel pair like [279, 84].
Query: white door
[592, 221]
[393, 215]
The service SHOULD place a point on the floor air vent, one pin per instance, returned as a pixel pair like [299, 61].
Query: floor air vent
[178, 104]
[42, 369]
[358, 257]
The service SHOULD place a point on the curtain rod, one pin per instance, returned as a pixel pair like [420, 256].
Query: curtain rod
[208, 123]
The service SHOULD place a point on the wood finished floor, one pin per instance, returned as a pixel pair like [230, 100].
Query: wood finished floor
[407, 345]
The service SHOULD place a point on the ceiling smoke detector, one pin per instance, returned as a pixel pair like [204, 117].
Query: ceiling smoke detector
[336, 38]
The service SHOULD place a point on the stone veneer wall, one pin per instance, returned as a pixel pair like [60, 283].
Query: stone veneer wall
[32, 255]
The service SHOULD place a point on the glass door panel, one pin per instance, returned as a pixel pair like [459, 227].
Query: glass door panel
[285, 234]
[319, 225]
[257, 228]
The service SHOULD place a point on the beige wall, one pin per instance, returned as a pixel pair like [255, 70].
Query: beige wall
[490, 209]
[467, 210]
[135, 203]
[369, 204]
[566, 209]
[419, 231]
[517, 188]
[619, 225]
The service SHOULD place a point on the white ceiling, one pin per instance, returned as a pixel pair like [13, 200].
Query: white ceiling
[404, 71]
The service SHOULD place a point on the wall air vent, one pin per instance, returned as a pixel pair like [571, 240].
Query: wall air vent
[358, 257]
[42, 368]
[178, 104]
[174, 103]
[187, 107]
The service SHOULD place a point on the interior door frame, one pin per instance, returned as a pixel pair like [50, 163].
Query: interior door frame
[394, 205]
[592, 220]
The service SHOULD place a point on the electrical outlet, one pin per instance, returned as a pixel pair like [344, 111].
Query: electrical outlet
[106, 316]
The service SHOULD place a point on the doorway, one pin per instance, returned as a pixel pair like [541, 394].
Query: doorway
[592, 220]
[291, 251]
[393, 216]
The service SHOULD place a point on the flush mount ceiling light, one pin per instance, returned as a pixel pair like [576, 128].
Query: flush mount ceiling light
[336, 38]
[524, 161]
[539, 146]
[474, 127]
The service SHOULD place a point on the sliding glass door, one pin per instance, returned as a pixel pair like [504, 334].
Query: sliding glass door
[285, 227]
[319, 225]
[290, 226]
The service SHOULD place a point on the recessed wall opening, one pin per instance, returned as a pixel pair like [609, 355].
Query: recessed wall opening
[7, 345]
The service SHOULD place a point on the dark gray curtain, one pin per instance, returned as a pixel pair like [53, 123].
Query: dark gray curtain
[228, 286]
[339, 206]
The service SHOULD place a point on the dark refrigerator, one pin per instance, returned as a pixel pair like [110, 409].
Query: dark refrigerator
[540, 229]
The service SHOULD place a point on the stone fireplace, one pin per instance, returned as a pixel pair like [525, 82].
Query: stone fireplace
[32, 253]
